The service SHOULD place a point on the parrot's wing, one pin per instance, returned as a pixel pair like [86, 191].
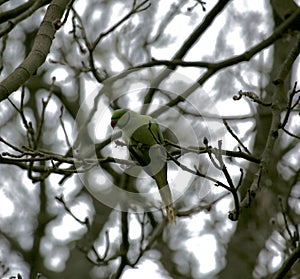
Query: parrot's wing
[136, 153]
[146, 145]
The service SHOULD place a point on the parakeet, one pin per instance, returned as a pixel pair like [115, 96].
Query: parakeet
[145, 143]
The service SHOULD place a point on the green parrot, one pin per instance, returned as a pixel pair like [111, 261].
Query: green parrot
[145, 143]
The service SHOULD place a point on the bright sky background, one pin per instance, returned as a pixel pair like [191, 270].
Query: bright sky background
[202, 247]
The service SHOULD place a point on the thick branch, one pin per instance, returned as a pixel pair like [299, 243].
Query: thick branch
[39, 52]
[193, 38]
[276, 108]
[287, 265]
[7, 15]
[246, 56]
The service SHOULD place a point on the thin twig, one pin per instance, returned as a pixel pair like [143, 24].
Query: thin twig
[135, 9]
[251, 95]
[63, 126]
[86, 221]
[45, 104]
[231, 132]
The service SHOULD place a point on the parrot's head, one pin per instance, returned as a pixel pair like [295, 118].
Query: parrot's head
[120, 118]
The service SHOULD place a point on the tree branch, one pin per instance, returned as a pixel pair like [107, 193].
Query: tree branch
[39, 52]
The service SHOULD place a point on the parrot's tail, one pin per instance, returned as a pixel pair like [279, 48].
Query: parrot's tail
[171, 214]
[165, 193]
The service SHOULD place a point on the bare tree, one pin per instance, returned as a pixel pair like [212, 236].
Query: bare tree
[222, 82]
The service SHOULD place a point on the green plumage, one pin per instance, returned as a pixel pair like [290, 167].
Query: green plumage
[145, 142]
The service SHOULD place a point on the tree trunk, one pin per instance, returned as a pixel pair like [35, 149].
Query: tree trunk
[254, 226]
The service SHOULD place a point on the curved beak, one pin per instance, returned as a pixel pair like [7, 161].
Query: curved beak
[113, 123]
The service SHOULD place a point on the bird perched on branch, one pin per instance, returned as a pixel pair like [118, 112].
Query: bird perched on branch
[145, 143]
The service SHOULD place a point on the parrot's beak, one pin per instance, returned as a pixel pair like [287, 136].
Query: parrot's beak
[113, 123]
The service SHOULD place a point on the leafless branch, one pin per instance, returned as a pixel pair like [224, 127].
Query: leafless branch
[231, 132]
[38, 52]
[251, 95]
[63, 127]
[86, 221]
[287, 265]
[246, 56]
